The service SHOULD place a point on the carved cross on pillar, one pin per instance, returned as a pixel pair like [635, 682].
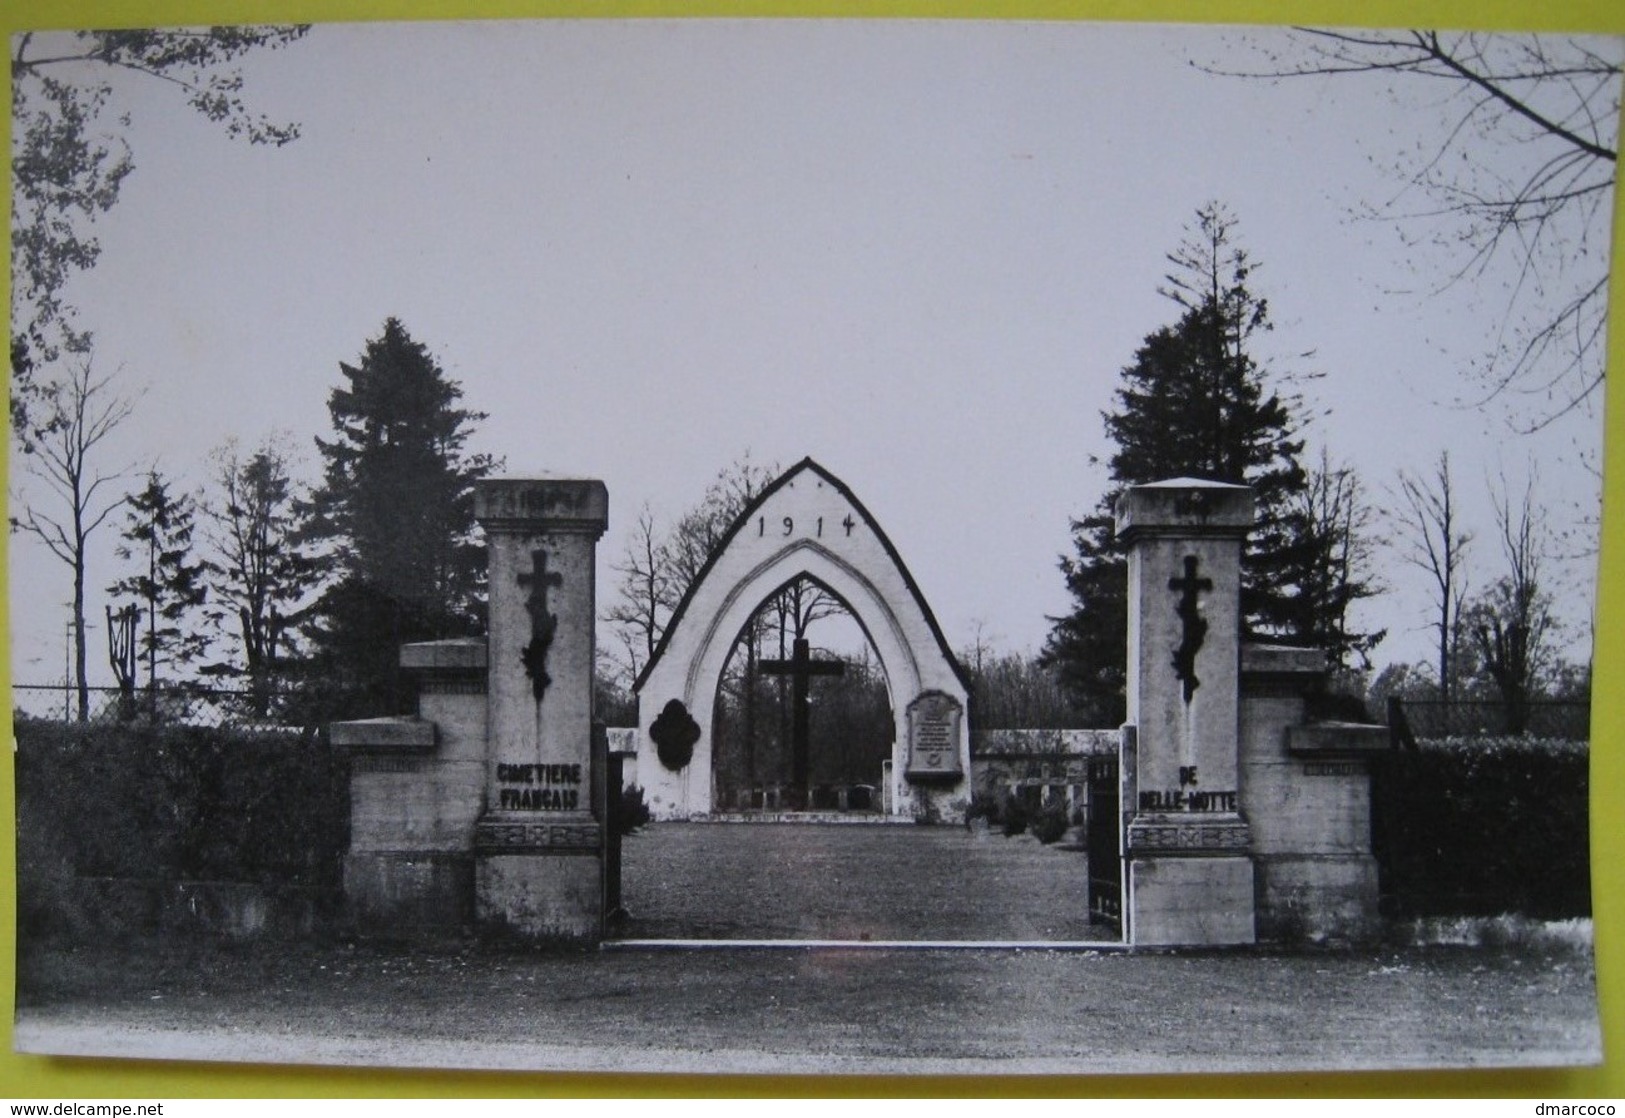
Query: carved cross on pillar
[542, 623]
[1194, 625]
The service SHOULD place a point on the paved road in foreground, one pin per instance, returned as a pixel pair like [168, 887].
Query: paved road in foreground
[852, 882]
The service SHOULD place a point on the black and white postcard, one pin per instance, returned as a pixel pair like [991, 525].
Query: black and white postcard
[807, 546]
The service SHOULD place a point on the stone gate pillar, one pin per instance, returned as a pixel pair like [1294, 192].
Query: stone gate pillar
[1188, 874]
[539, 847]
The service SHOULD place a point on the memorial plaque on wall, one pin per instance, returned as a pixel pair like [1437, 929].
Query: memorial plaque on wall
[933, 738]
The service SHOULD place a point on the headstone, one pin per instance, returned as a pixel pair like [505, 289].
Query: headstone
[540, 845]
[1188, 871]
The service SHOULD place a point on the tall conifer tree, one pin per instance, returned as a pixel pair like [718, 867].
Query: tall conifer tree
[396, 505]
[258, 576]
[168, 582]
[1196, 403]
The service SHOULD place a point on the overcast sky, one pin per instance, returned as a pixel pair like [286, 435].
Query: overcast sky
[919, 253]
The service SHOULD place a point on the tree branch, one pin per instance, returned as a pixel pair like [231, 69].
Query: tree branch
[1431, 43]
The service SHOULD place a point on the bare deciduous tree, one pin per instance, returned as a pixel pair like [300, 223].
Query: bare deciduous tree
[645, 600]
[700, 531]
[1431, 539]
[260, 579]
[1335, 569]
[1517, 186]
[657, 569]
[1512, 623]
[78, 411]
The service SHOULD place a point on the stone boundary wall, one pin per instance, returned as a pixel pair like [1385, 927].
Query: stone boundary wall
[1026, 743]
[1001, 760]
[1039, 766]
[624, 739]
[231, 910]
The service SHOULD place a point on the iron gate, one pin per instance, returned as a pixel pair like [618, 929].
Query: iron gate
[1105, 842]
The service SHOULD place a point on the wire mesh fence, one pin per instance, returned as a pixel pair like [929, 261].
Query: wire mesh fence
[1432, 719]
[202, 707]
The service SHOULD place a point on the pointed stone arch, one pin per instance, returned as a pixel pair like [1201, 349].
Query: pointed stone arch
[808, 524]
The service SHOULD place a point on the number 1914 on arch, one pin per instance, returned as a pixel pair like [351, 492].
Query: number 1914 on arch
[789, 525]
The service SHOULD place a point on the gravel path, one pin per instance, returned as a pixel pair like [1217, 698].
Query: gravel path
[825, 1011]
[851, 882]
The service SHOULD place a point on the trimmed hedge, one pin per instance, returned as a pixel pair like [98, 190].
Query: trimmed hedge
[173, 803]
[1483, 826]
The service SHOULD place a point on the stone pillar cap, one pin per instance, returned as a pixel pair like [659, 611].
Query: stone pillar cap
[1185, 507]
[460, 654]
[383, 735]
[1283, 659]
[1337, 739]
[581, 504]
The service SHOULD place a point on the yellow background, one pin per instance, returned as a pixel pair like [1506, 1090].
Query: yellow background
[51, 1079]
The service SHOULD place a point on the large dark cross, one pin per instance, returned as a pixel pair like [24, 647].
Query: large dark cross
[542, 623]
[1195, 625]
[801, 667]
